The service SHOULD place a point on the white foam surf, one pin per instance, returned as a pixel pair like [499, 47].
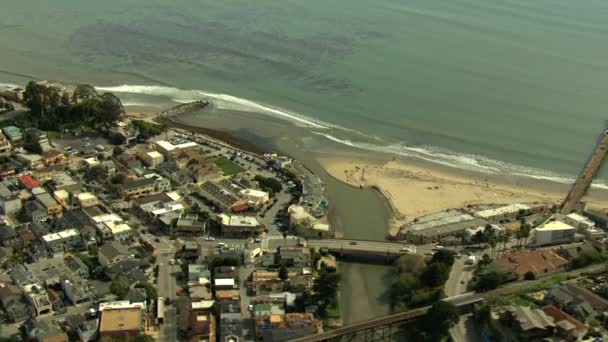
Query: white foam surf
[9, 85]
[222, 101]
[460, 161]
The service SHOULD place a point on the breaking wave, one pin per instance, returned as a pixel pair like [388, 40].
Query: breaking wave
[222, 101]
[457, 160]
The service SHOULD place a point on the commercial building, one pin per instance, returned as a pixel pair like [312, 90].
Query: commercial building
[28, 182]
[255, 198]
[153, 159]
[539, 262]
[172, 149]
[220, 196]
[240, 226]
[52, 157]
[302, 223]
[438, 225]
[554, 232]
[509, 211]
[121, 323]
[579, 222]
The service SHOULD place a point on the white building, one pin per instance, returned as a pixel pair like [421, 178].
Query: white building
[554, 232]
[169, 150]
[120, 231]
[240, 226]
[152, 159]
[578, 221]
[255, 198]
[87, 199]
[507, 211]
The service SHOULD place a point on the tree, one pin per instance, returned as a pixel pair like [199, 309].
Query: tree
[30, 143]
[440, 318]
[283, 272]
[478, 237]
[488, 281]
[84, 92]
[326, 286]
[443, 256]
[411, 263]
[117, 151]
[435, 275]
[119, 287]
[151, 293]
[402, 290]
[269, 184]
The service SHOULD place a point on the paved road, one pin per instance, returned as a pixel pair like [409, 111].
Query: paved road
[166, 288]
[363, 246]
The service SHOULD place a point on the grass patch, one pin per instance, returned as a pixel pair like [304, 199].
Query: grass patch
[333, 311]
[53, 135]
[514, 299]
[228, 167]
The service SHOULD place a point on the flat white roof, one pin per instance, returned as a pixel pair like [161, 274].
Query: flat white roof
[508, 209]
[578, 218]
[166, 145]
[62, 194]
[155, 154]
[107, 218]
[121, 304]
[174, 195]
[60, 235]
[253, 193]
[239, 221]
[203, 304]
[85, 196]
[224, 282]
[555, 225]
[118, 228]
[92, 161]
[168, 208]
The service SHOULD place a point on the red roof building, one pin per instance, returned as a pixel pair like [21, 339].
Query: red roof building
[28, 182]
[239, 208]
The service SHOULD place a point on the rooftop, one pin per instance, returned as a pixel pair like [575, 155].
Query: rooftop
[121, 320]
[239, 221]
[166, 145]
[66, 234]
[536, 261]
[555, 225]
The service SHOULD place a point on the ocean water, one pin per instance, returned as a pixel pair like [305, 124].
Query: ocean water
[508, 87]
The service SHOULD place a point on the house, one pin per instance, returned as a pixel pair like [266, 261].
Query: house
[56, 243]
[138, 187]
[30, 160]
[44, 331]
[52, 157]
[15, 306]
[202, 327]
[579, 222]
[528, 323]
[5, 144]
[240, 226]
[567, 326]
[565, 299]
[86, 199]
[35, 211]
[130, 269]
[536, 261]
[14, 134]
[38, 297]
[10, 205]
[553, 233]
[9, 237]
[121, 323]
[28, 182]
[53, 209]
[231, 318]
[294, 256]
[287, 327]
[112, 252]
[74, 292]
[63, 198]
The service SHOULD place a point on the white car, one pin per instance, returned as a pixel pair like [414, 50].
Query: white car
[210, 238]
[172, 262]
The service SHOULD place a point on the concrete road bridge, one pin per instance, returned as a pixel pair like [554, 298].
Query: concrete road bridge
[362, 249]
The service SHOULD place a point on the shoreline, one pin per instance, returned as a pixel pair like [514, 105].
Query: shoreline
[412, 189]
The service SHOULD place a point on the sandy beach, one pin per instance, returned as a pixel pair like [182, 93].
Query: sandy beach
[413, 190]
